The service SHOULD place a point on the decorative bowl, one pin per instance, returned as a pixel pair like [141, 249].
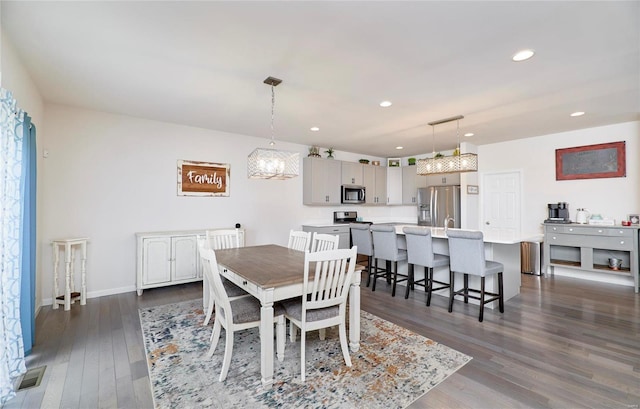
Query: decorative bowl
[375, 163]
[365, 161]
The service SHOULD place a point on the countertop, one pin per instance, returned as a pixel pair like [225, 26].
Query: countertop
[439, 233]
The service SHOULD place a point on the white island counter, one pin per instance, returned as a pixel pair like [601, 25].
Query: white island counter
[506, 252]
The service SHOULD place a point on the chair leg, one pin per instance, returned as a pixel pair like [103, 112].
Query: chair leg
[281, 336]
[410, 268]
[292, 331]
[370, 260]
[481, 299]
[209, 309]
[395, 277]
[500, 293]
[215, 337]
[428, 272]
[375, 276]
[343, 343]
[387, 264]
[451, 280]
[466, 288]
[228, 350]
[302, 355]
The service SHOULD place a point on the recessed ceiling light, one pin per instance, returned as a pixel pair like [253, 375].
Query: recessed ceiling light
[315, 129]
[523, 55]
[579, 113]
[385, 104]
[399, 147]
[468, 134]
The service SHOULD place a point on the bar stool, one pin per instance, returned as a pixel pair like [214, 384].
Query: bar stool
[70, 295]
[385, 247]
[466, 252]
[361, 237]
[420, 252]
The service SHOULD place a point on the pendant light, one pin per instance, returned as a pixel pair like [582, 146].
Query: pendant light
[272, 163]
[456, 163]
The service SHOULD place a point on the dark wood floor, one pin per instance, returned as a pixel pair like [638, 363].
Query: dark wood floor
[563, 343]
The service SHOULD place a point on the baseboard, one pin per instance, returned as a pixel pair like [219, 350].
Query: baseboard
[96, 294]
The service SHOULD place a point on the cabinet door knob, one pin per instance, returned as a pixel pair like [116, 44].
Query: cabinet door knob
[570, 229]
[244, 282]
[599, 231]
[622, 242]
[554, 237]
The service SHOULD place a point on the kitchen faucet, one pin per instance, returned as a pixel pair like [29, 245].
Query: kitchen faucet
[446, 222]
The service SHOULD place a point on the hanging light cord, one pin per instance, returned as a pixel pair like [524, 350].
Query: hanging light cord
[273, 107]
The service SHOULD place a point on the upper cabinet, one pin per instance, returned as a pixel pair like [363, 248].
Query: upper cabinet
[375, 183]
[445, 179]
[352, 173]
[394, 185]
[411, 181]
[321, 181]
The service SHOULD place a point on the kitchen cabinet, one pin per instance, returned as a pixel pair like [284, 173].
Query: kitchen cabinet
[411, 181]
[444, 179]
[168, 258]
[375, 183]
[321, 181]
[394, 185]
[341, 230]
[352, 173]
[589, 247]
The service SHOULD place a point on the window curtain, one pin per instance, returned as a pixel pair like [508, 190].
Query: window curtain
[12, 173]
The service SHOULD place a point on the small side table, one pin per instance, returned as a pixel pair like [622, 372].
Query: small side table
[69, 247]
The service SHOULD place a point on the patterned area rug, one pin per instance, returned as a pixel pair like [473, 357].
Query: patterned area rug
[393, 368]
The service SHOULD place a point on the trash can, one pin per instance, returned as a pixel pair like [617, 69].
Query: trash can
[528, 257]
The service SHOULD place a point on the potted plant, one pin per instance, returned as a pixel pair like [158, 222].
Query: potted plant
[329, 153]
[439, 155]
[411, 161]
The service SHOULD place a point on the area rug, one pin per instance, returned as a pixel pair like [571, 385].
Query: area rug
[393, 367]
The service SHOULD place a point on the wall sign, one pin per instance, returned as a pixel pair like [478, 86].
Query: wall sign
[605, 160]
[203, 178]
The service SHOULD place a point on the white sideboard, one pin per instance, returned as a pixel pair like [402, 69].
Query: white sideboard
[589, 247]
[169, 257]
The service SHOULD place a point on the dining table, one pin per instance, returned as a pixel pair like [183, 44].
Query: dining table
[273, 273]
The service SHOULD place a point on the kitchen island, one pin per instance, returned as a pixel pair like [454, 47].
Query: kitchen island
[506, 252]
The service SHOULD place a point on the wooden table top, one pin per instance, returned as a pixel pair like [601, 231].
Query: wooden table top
[268, 266]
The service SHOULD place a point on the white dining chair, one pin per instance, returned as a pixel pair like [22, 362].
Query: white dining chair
[233, 291]
[236, 315]
[299, 240]
[223, 239]
[324, 242]
[326, 305]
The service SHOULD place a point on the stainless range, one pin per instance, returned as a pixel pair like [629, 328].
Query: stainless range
[347, 217]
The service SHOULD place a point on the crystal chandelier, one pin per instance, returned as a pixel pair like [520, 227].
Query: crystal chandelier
[272, 163]
[456, 163]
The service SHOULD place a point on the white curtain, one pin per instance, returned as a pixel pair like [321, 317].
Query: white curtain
[12, 362]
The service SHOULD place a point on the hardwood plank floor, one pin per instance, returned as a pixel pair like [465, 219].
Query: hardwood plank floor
[562, 343]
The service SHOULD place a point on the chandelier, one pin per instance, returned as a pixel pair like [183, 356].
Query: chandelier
[272, 163]
[456, 163]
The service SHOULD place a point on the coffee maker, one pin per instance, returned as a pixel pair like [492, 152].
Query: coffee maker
[558, 213]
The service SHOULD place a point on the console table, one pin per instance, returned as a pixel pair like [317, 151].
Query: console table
[589, 247]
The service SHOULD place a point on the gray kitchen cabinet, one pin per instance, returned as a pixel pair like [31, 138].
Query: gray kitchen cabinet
[341, 230]
[444, 179]
[589, 247]
[375, 183]
[394, 185]
[352, 173]
[411, 181]
[321, 181]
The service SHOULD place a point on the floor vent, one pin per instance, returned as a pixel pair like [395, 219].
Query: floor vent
[32, 378]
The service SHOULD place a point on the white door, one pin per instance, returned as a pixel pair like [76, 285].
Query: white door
[501, 205]
[156, 260]
[185, 256]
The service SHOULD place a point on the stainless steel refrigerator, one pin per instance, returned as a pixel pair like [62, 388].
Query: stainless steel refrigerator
[437, 204]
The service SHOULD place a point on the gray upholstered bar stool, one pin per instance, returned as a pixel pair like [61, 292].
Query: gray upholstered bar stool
[385, 247]
[361, 237]
[420, 253]
[466, 252]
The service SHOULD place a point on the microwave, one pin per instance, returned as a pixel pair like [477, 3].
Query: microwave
[353, 194]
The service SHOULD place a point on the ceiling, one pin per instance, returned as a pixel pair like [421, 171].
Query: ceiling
[203, 64]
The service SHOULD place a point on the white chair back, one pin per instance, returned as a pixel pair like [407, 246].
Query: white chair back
[210, 269]
[332, 274]
[223, 239]
[324, 242]
[299, 240]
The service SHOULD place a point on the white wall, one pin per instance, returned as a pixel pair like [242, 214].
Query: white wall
[535, 157]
